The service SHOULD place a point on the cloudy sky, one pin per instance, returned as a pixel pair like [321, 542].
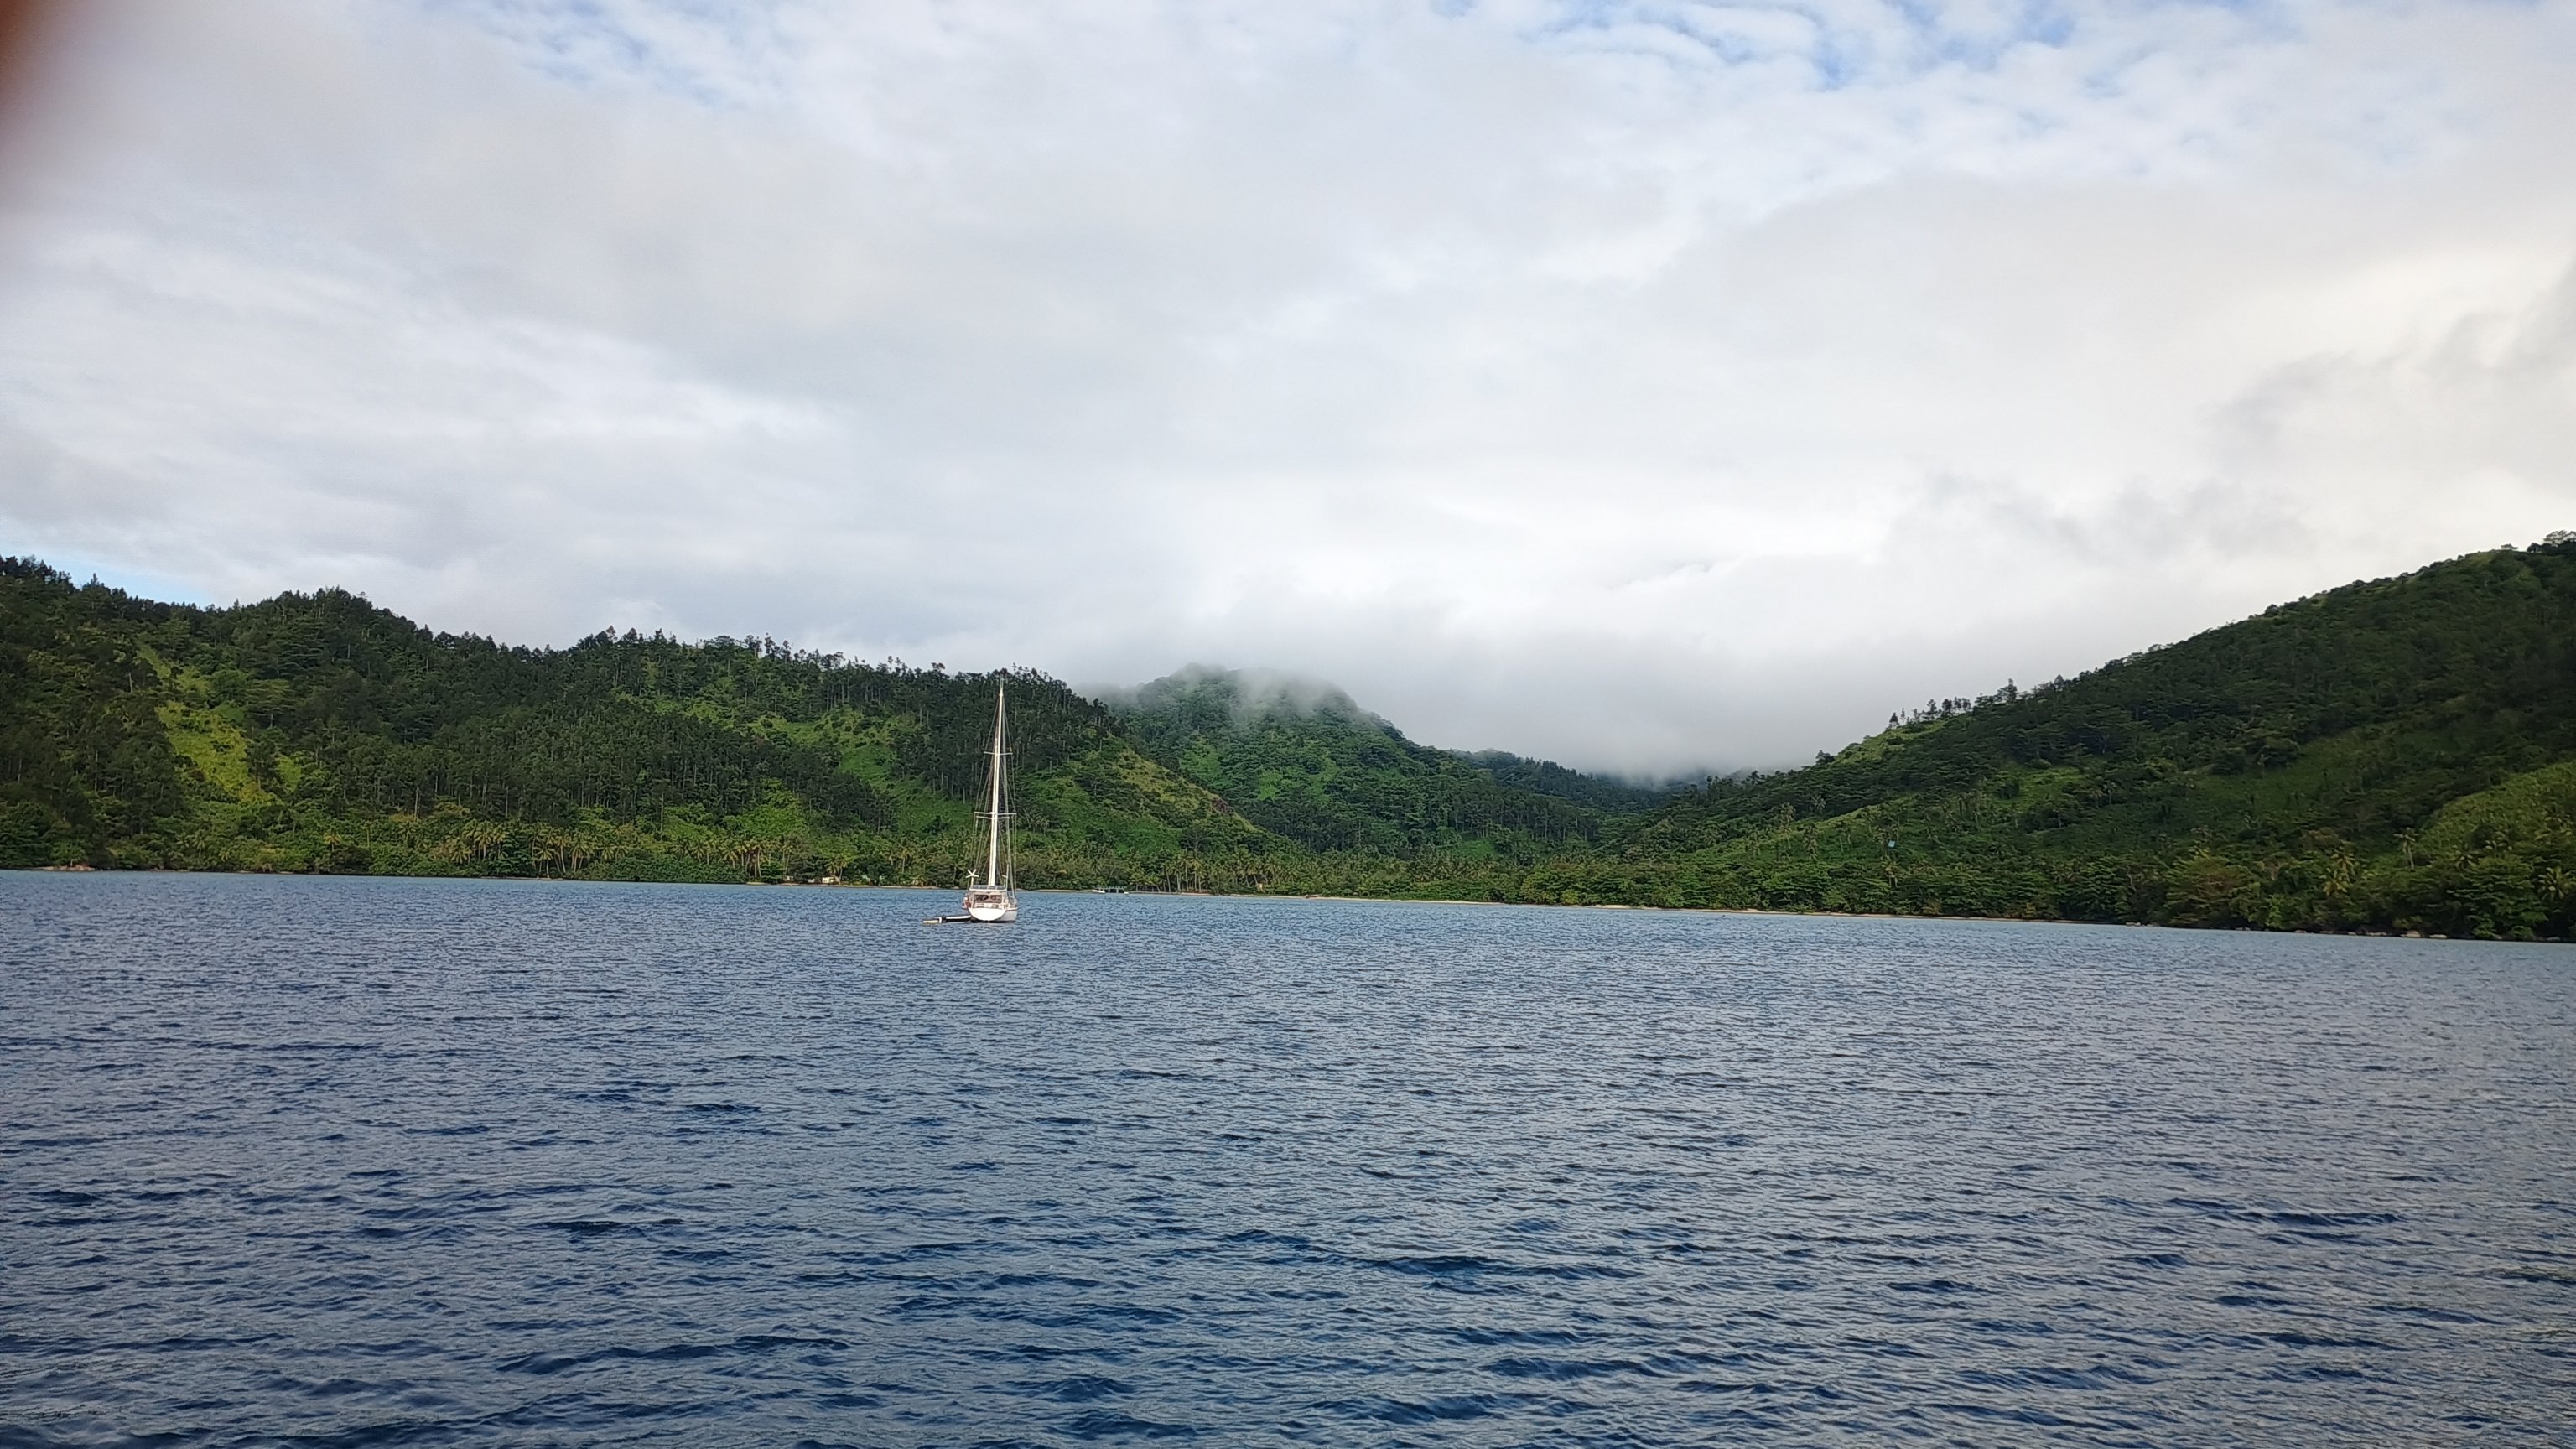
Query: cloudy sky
[1652, 386]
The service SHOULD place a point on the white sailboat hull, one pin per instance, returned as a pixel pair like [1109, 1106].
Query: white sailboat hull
[992, 906]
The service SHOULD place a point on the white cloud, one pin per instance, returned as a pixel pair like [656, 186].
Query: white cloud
[1648, 385]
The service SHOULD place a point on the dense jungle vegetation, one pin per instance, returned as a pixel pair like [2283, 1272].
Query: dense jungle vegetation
[319, 732]
[2398, 755]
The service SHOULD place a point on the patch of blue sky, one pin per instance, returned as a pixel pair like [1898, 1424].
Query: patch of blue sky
[1842, 58]
[2257, 19]
[705, 53]
[1727, 34]
[1844, 45]
[1948, 38]
[142, 583]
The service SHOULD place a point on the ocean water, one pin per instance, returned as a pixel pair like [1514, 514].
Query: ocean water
[343, 1162]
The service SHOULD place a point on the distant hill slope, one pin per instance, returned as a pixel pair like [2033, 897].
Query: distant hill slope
[2399, 754]
[1304, 761]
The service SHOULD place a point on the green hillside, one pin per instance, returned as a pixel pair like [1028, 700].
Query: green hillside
[2393, 755]
[318, 732]
[1304, 761]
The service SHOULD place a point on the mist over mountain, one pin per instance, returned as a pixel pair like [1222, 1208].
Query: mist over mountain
[1303, 759]
[1241, 698]
[1208, 700]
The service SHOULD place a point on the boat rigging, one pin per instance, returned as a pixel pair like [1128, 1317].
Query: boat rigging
[990, 898]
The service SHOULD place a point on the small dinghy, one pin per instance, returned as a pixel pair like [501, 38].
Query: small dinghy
[990, 899]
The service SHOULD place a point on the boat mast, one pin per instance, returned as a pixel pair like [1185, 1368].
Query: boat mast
[993, 846]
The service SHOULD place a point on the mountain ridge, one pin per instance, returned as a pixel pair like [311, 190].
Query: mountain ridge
[2393, 755]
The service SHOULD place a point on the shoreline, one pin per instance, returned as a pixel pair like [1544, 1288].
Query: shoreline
[85, 869]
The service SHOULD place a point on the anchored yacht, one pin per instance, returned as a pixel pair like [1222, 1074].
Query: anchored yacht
[990, 897]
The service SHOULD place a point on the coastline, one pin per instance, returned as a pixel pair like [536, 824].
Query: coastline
[87, 869]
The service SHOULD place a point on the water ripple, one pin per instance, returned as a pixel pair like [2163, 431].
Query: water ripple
[358, 1162]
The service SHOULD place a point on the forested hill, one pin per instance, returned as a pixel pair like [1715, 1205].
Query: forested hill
[2392, 755]
[320, 732]
[1304, 761]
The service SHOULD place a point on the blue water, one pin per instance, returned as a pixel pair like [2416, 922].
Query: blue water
[408, 1162]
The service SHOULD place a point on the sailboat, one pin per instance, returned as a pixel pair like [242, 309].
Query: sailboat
[990, 898]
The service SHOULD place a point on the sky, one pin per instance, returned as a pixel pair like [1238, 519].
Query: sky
[1654, 387]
